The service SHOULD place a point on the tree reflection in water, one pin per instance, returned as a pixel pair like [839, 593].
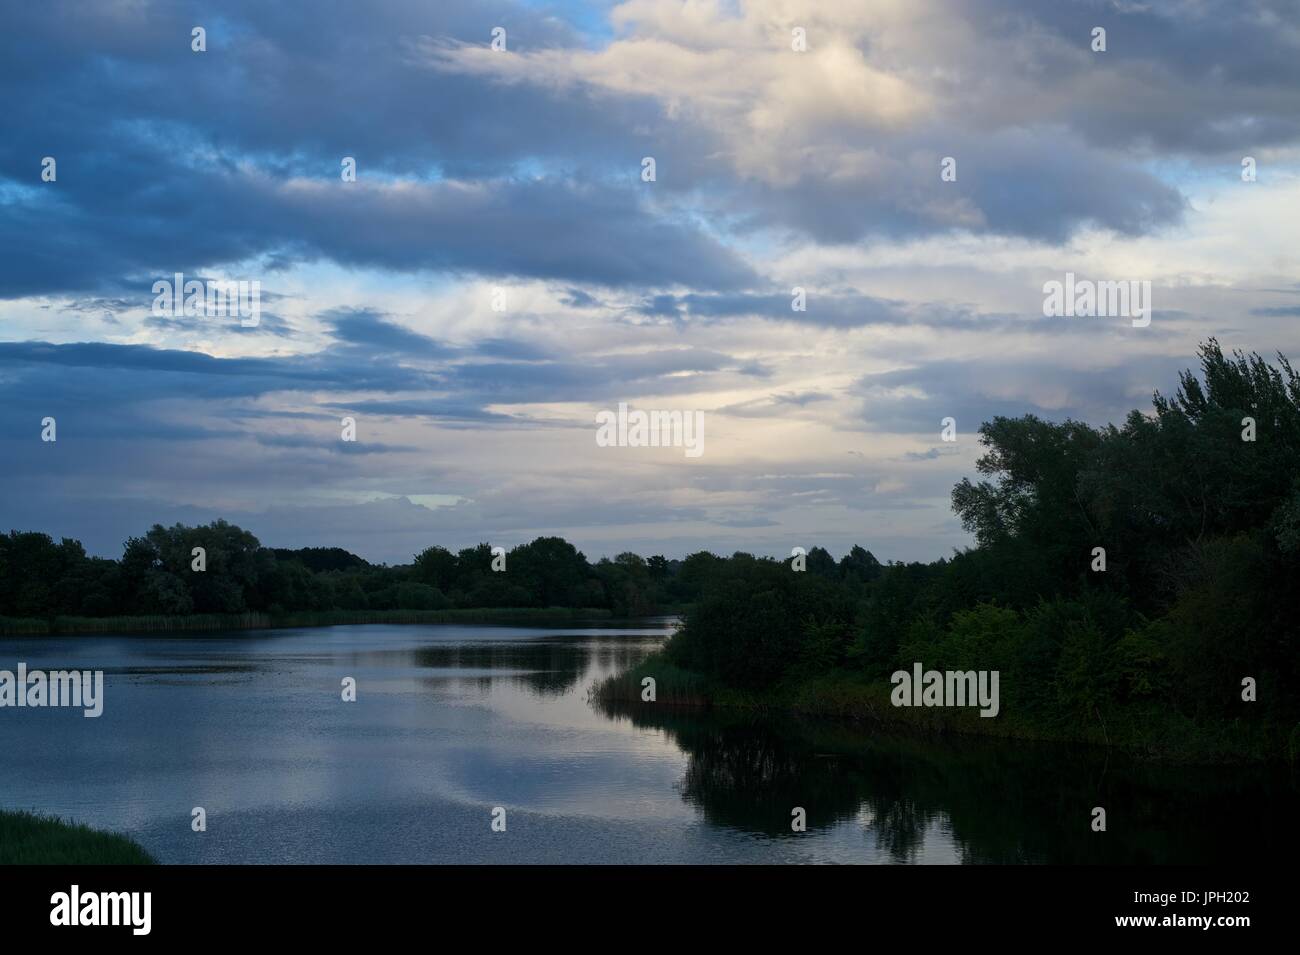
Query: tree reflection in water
[1002, 801]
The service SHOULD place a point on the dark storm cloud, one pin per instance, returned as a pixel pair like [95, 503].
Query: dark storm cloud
[1197, 76]
[93, 380]
[577, 298]
[175, 160]
[170, 160]
[916, 399]
[141, 372]
[1017, 182]
[561, 230]
[294, 83]
[372, 330]
[556, 230]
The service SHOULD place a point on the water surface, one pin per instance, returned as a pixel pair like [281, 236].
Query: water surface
[453, 720]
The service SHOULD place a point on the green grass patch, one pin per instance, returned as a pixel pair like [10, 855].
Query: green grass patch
[31, 839]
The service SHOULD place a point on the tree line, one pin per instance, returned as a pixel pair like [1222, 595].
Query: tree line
[1122, 577]
[161, 572]
[1137, 581]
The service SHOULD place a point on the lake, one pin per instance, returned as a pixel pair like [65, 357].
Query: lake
[451, 721]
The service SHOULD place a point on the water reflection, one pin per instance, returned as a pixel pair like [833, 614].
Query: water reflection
[548, 667]
[1000, 802]
[453, 720]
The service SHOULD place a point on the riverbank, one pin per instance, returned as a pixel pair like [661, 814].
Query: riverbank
[30, 839]
[19, 626]
[1146, 733]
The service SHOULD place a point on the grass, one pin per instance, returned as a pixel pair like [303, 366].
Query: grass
[1148, 732]
[673, 685]
[31, 839]
[23, 626]
[159, 623]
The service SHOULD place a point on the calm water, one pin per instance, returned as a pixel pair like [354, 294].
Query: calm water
[451, 721]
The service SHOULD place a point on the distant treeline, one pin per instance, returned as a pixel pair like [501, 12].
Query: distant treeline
[156, 581]
[1154, 644]
[159, 575]
[1132, 584]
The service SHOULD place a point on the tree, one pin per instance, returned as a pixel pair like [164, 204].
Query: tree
[550, 569]
[437, 567]
[860, 565]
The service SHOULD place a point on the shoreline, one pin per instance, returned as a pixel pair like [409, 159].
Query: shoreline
[850, 699]
[214, 623]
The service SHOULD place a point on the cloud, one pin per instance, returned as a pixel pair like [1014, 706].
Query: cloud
[915, 399]
[775, 404]
[369, 330]
[554, 230]
[195, 165]
[775, 169]
[844, 140]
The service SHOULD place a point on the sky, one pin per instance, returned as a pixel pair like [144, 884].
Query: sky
[502, 269]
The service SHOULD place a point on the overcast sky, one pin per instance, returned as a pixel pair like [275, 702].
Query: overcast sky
[521, 170]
